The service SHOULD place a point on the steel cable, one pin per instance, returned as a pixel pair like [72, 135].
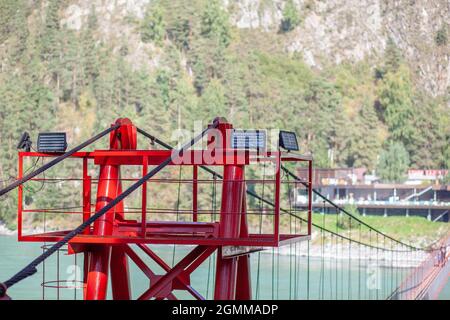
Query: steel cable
[253, 194]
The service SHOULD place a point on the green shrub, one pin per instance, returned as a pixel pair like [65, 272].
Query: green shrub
[441, 36]
[344, 221]
[291, 18]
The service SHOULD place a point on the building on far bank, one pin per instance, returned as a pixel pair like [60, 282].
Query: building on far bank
[420, 195]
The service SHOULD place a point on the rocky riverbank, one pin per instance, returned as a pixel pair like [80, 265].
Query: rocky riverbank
[4, 231]
[396, 256]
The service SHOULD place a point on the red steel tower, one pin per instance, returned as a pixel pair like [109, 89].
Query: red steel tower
[108, 244]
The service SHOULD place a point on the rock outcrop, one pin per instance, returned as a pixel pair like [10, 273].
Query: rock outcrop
[330, 31]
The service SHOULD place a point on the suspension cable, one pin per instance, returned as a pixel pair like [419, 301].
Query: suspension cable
[253, 194]
[346, 212]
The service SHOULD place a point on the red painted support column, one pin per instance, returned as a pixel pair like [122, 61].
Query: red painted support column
[195, 193]
[20, 199]
[310, 180]
[144, 199]
[86, 194]
[120, 278]
[108, 188]
[230, 218]
[120, 274]
[86, 258]
[243, 282]
[86, 215]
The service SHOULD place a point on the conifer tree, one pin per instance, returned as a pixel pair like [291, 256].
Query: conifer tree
[396, 99]
[18, 30]
[212, 102]
[393, 56]
[429, 136]
[50, 33]
[393, 163]
[365, 145]
[90, 49]
[153, 27]
[215, 23]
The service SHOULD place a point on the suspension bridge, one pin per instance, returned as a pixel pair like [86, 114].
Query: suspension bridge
[224, 212]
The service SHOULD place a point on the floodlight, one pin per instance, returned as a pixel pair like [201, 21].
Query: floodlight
[50, 142]
[25, 142]
[288, 141]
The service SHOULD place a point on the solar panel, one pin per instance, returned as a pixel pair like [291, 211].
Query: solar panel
[288, 141]
[248, 139]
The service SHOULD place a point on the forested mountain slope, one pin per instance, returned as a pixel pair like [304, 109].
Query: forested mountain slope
[363, 83]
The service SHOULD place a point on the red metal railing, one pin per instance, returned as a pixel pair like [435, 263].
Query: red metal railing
[276, 192]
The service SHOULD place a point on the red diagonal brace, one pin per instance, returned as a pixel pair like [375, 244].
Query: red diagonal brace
[138, 261]
[174, 272]
[145, 269]
[200, 260]
[166, 267]
[188, 271]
